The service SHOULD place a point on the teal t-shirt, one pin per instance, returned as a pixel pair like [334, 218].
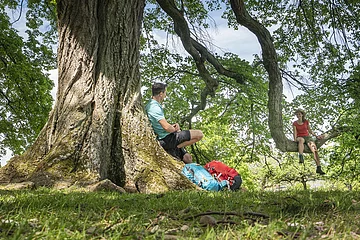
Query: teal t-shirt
[155, 113]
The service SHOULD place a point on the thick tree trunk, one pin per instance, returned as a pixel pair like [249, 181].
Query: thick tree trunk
[97, 129]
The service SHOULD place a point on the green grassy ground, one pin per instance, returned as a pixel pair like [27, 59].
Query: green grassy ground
[49, 214]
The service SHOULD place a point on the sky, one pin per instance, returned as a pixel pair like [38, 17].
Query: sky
[241, 42]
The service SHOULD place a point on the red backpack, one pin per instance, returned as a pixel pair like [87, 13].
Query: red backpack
[221, 171]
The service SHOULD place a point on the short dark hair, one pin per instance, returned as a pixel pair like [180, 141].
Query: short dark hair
[158, 87]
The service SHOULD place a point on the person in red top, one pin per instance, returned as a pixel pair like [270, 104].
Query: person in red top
[302, 133]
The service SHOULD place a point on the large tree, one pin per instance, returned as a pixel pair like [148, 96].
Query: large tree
[97, 128]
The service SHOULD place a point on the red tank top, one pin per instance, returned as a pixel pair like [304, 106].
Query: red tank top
[301, 130]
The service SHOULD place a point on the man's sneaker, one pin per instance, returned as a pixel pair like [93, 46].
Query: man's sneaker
[301, 158]
[319, 171]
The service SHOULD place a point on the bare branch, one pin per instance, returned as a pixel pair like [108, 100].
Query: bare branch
[21, 6]
[199, 53]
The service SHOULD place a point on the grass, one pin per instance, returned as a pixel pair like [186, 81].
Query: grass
[50, 214]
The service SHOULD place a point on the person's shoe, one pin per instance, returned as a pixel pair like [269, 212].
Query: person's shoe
[301, 158]
[319, 170]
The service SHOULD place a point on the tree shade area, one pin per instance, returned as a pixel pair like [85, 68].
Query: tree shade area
[108, 52]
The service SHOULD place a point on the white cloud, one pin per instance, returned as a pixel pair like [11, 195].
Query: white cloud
[219, 39]
[241, 42]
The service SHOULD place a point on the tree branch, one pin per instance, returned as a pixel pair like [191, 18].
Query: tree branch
[271, 65]
[21, 6]
[199, 53]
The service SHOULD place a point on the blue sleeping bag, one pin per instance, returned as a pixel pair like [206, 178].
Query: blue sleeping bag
[201, 177]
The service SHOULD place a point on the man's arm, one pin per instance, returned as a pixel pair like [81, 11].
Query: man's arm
[168, 127]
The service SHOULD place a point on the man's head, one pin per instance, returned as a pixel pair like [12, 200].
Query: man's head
[159, 91]
[158, 88]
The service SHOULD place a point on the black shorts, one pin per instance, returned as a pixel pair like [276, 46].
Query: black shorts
[173, 139]
[177, 153]
[237, 183]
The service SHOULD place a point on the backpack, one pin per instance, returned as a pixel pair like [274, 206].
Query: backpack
[221, 171]
[198, 175]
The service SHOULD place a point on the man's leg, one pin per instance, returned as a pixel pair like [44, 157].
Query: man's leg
[180, 154]
[175, 153]
[195, 136]
[187, 158]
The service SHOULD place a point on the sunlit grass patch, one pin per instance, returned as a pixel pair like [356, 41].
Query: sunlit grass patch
[51, 214]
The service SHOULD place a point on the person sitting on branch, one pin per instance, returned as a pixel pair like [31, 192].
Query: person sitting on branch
[302, 136]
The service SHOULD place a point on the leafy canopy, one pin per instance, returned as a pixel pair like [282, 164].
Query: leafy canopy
[25, 99]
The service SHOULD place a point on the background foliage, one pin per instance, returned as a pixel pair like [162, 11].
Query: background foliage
[25, 99]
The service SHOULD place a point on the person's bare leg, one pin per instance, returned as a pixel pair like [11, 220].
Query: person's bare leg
[195, 136]
[313, 149]
[301, 142]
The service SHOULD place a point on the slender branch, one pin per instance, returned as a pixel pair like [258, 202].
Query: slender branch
[268, 167]
[21, 6]
[288, 74]
[228, 104]
[343, 162]
[307, 21]
[255, 214]
[276, 159]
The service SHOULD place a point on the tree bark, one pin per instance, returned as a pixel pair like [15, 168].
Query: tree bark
[98, 129]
